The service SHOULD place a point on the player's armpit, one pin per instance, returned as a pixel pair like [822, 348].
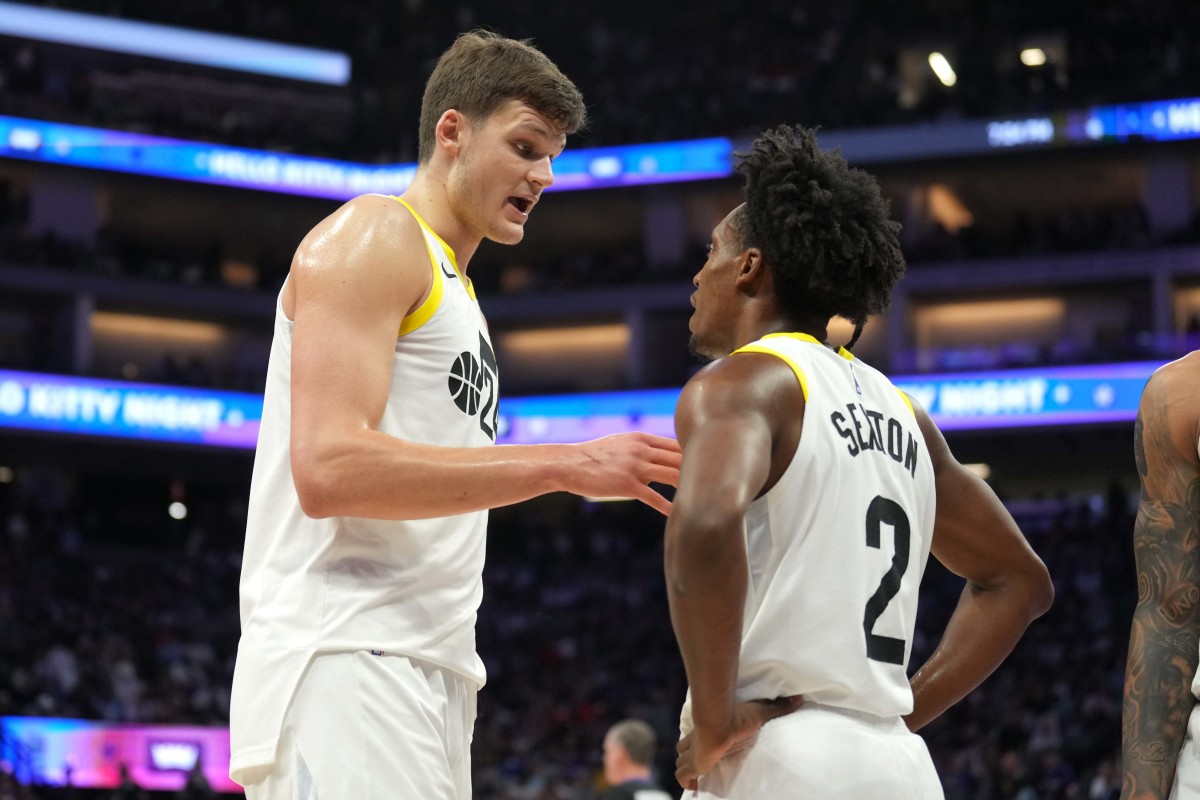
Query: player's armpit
[1007, 584]
[1164, 645]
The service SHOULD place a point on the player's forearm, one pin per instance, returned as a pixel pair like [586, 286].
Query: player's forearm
[373, 475]
[1157, 701]
[985, 626]
[705, 562]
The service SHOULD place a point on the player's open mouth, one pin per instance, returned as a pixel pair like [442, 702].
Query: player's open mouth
[522, 204]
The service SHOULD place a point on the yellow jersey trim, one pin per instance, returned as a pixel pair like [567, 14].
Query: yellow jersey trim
[449, 250]
[804, 337]
[425, 311]
[907, 401]
[758, 348]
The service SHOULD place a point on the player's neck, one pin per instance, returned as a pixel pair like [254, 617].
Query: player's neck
[427, 195]
[758, 321]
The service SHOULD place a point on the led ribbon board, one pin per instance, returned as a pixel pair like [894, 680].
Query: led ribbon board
[956, 401]
[161, 157]
[61, 752]
[1031, 397]
[64, 404]
[1156, 121]
[170, 43]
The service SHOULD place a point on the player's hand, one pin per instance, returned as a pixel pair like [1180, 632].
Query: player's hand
[623, 465]
[699, 753]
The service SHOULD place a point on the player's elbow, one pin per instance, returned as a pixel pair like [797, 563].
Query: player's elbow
[1028, 588]
[312, 491]
[699, 534]
[315, 480]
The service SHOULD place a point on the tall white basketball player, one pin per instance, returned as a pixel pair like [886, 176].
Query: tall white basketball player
[356, 673]
[1161, 718]
[811, 494]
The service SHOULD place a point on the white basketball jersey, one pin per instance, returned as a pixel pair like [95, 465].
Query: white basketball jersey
[837, 547]
[405, 587]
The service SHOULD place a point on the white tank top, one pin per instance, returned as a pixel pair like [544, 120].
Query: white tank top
[837, 547]
[405, 587]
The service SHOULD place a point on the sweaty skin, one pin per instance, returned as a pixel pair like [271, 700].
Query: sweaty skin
[1164, 642]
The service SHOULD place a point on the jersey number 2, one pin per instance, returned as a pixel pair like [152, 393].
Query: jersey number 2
[883, 511]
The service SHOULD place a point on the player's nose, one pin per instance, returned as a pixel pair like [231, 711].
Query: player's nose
[542, 173]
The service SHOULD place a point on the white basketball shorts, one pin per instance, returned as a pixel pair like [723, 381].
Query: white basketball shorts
[369, 726]
[831, 753]
[1187, 769]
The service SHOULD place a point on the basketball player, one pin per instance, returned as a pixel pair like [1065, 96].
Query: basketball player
[356, 673]
[629, 748]
[1160, 718]
[811, 493]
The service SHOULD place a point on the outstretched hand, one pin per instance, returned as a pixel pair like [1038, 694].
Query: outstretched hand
[697, 755]
[623, 465]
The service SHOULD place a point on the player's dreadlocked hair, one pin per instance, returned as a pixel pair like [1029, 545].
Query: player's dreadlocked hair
[823, 228]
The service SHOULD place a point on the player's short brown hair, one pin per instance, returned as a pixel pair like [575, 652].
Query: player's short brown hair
[483, 70]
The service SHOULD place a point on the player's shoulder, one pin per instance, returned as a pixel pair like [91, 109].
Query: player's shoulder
[1175, 381]
[741, 376]
[741, 385]
[368, 228]
[1182, 371]
[374, 211]
[1169, 401]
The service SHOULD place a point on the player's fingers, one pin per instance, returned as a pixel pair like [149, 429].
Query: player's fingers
[667, 458]
[683, 746]
[652, 499]
[685, 774]
[662, 442]
[664, 475]
[771, 709]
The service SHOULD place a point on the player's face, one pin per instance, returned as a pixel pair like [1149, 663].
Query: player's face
[712, 323]
[502, 169]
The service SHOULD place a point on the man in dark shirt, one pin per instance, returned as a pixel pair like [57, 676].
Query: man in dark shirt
[628, 753]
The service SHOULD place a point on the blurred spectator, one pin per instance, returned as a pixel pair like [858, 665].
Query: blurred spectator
[629, 751]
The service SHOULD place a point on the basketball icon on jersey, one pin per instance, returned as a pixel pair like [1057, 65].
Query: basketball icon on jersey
[473, 383]
[466, 383]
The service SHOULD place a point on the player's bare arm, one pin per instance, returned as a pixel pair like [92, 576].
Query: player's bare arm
[1165, 637]
[728, 422]
[1007, 587]
[352, 281]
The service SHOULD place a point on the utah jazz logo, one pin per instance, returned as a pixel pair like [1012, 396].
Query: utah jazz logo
[473, 384]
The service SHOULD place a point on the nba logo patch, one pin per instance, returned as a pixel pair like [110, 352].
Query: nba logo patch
[857, 386]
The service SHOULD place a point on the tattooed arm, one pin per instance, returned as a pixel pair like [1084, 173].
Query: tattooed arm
[1164, 644]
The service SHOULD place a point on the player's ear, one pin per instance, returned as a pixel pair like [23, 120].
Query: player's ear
[450, 130]
[751, 267]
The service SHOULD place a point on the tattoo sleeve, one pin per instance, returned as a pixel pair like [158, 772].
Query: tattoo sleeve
[1164, 644]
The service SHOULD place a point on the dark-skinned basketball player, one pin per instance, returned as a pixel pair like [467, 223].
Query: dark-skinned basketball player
[811, 494]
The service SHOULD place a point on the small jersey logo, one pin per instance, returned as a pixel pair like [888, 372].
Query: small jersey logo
[857, 387]
[466, 382]
[449, 273]
[473, 386]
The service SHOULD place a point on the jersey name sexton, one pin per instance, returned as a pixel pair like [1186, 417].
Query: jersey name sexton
[865, 433]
